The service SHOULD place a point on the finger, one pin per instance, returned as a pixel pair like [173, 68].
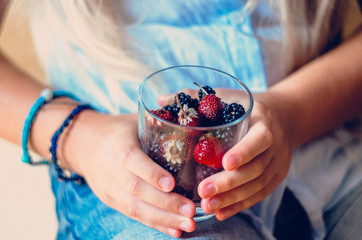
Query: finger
[137, 162]
[232, 95]
[256, 141]
[175, 233]
[166, 99]
[227, 180]
[239, 193]
[224, 213]
[148, 214]
[139, 188]
[169, 99]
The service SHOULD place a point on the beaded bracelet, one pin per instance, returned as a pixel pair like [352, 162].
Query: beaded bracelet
[45, 97]
[53, 148]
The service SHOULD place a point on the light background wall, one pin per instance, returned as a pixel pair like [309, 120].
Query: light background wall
[27, 207]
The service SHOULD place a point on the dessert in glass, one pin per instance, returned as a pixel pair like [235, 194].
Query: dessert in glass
[189, 135]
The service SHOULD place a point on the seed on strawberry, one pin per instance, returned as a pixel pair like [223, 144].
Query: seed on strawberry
[164, 114]
[232, 112]
[211, 108]
[207, 89]
[209, 151]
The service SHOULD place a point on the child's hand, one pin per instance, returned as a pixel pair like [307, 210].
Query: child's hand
[105, 150]
[254, 167]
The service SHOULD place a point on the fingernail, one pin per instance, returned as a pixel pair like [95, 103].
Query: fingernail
[186, 210]
[172, 231]
[232, 162]
[165, 183]
[209, 190]
[185, 226]
[212, 204]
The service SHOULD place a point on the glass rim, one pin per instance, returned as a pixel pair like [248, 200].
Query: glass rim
[247, 113]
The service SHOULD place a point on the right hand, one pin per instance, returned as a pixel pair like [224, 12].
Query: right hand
[105, 150]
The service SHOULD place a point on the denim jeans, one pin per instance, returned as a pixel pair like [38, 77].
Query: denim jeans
[82, 215]
[344, 221]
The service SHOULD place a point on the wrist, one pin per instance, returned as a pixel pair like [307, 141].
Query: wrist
[75, 142]
[282, 111]
[47, 120]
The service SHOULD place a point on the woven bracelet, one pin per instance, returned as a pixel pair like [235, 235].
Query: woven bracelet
[53, 148]
[45, 97]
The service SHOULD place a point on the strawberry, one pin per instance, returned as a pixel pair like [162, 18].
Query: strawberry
[211, 108]
[205, 90]
[164, 114]
[209, 151]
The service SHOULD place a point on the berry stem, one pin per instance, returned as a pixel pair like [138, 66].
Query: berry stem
[202, 89]
[179, 104]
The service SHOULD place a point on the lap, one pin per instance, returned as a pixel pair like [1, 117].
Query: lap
[344, 220]
[237, 227]
[82, 215]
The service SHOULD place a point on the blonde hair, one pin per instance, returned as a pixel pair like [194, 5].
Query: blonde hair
[90, 27]
[307, 28]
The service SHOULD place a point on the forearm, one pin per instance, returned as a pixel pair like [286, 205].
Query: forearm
[323, 94]
[18, 93]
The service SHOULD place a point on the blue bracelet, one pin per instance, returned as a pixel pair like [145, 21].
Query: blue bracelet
[45, 96]
[53, 148]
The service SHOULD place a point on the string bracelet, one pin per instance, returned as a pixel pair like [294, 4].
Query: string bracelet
[65, 174]
[45, 97]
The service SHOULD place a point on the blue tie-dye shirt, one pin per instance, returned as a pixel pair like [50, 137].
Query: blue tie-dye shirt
[209, 33]
[214, 33]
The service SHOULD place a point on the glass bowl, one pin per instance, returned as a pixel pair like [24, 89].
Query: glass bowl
[171, 145]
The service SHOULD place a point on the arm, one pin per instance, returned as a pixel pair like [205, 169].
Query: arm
[324, 94]
[104, 149]
[317, 98]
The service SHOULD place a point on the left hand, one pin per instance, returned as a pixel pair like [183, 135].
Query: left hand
[253, 167]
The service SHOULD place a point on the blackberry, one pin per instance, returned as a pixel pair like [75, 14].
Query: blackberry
[173, 109]
[185, 180]
[204, 171]
[232, 112]
[180, 190]
[156, 155]
[208, 89]
[226, 136]
[174, 169]
[188, 100]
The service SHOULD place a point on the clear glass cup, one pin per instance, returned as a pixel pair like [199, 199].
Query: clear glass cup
[171, 145]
